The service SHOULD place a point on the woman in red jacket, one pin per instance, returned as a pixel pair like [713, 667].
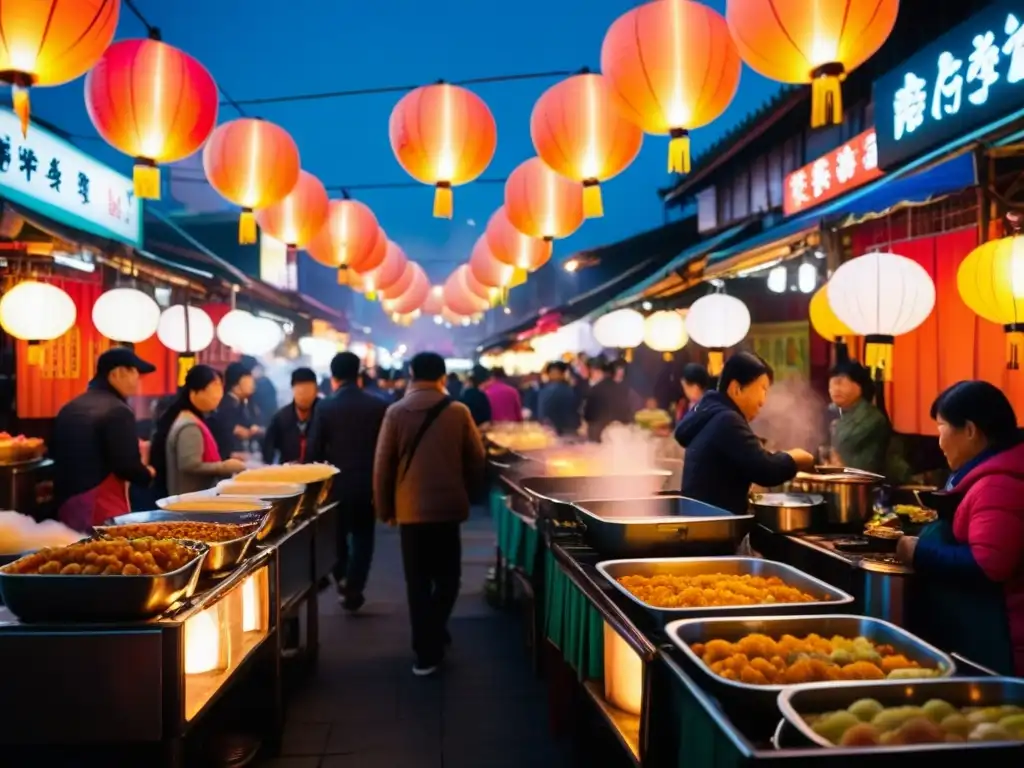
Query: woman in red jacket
[973, 564]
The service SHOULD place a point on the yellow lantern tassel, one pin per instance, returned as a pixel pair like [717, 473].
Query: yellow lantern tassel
[247, 227]
[679, 151]
[827, 95]
[35, 353]
[371, 295]
[22, 107]
[593, 208]
[627, 355]
[716, 362]
[666, 356]
[344, 275]
[878, 356]
[1014, 345]
[147, 179]
[444, 204]
[186, 363]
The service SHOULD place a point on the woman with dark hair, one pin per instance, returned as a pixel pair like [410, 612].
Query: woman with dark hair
[694, 382]
[972, 560]
[184, 451]
[860, 436]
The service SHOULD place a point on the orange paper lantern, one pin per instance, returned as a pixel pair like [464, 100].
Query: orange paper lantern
[443, 135]
[434, 302]
[542, 203]
[400, 286]
[673, 67]
[511, 247]
[579, 131]
[49, 42]
[300, 215]
[390, 271]
[816, 43]
[413, 298]
[253, 164]
[153, 102]
[454, 318]
[349, 239]
[493, 278]
[459, 298]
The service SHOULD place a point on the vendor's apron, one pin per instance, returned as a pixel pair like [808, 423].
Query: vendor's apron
[108, 499]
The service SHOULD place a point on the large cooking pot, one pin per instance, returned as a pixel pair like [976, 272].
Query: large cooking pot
[849, 497]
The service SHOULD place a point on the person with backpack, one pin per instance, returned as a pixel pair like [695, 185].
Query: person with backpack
[430, 463]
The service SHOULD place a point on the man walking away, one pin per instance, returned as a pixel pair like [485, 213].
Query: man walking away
[430, 461]
[288, 433]
[474, 398]
[345, 431]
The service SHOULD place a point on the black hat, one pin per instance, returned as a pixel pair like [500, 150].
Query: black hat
[121, 357]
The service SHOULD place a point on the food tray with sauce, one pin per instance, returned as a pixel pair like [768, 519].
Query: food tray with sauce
[222, 555]
[96, 598]
[762, 698]
[826, 598]
[978, 693]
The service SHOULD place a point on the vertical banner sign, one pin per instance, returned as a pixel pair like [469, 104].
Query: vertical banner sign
[273, 262]
[968, 78]
[852, 165]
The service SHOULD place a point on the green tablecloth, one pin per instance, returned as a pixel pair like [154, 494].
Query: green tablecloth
[518, 541]
[571, 622]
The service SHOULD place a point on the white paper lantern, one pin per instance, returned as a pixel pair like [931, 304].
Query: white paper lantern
[126, 315]
[665, 332]
[881, 296]
[234, 328]
[621, 329]
[262, 337]
[717, 321]
[35, 311]
[171, 329]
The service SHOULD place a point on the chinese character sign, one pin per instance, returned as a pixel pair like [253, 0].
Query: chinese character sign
[966, 79]
[47, 175]
[848, 167]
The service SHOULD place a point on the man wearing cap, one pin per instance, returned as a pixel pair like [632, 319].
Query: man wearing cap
[95, 446]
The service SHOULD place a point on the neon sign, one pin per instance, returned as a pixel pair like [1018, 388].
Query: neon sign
[853, 164]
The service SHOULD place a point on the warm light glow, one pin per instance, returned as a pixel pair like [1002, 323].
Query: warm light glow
[665, 331]
[202, 643]
[718, 321]
[991, 283]
[807, 278]
[881, 294]
[623, 673]
[299, 216]
[621, 329]
[251, 611]
[824, 320]
[777, 279]
[36, 311]
[234, 327]
[571, 265]
[126, 315]
[173, 334]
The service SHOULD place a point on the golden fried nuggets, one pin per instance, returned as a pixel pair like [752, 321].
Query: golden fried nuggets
[106, 557]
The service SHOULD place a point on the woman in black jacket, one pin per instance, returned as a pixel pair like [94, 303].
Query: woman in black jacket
[474, 398]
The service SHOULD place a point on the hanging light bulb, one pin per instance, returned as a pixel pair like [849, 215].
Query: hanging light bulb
[807, 278]
[777, 280]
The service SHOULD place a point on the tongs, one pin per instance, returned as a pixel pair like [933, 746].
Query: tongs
[823, 469]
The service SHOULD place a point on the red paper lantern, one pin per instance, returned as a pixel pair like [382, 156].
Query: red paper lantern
[253, 164]
[542, 203]
[459, 298]
[48, 42]
[434, 303]
[153, 102]
[443, 135]
[414, 297]
[400, 286]
[300, 215]
[349, 239]
[390, 271]
[512, 247]
[579, 131]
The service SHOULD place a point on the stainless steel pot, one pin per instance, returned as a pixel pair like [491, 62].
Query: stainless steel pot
[849, 498]
[789, 512]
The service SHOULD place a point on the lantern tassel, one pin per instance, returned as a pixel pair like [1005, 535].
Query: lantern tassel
[444, 204]
[35, 353]
[716, 361]
[666, 356]
[147, 179]
[1014, 345]
[593, 208]
[627, 355]
[878, 356]
[679, 151]
[343, 275]
[22, 107]
[827, 95]
[247, 228]
[185, 364]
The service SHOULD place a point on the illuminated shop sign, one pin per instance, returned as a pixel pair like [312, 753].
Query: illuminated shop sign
[853, 164]
[964, 80]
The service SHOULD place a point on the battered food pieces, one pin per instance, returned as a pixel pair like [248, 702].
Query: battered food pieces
[761, 660]
[713, 589]
[192, 530]
[106, 557]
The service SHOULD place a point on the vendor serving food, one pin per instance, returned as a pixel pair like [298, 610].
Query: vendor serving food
[723, 455]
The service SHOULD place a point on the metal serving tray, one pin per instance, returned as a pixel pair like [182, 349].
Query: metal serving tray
[828, 598]
[208, 502]
[684, 632]
[223, 555]
[960, 692]
[316, 493]
[57, 598]
[285, 500]
[660, 525]
[554, 495]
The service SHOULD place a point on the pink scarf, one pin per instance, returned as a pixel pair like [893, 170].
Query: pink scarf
[210, 450]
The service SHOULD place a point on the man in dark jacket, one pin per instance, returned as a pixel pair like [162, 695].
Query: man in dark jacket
[607, 401]
[345, 431]
[556, 402]
[474, 398]
[287, 434]
[723, 455]
[234, 424]
[95, 448]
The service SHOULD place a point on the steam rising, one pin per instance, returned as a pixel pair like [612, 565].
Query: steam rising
[792, 417]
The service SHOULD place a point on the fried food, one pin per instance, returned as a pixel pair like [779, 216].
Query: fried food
[106, 557]
[758, 659]
[192, 530]
[712, 589]
[916, 514]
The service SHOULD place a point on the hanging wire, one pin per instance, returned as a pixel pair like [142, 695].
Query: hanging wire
[182, 177]
[130, 5]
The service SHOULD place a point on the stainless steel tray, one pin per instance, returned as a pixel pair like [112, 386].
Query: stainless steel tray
[553, 495]
[317, 491]
[790, 512]
[684, 632]
[960, 692]
[57, 598]
[663, 525]
[829, 599]
[277, 515]
[285, 502]
[222, 555]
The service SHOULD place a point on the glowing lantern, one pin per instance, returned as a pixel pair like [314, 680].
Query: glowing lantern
[824, 320]
[33, 311]
[263, 337]
[542, 203]
[390, 271]
[459, 298]
[349, 239]
[621, 329]
[881, 296]
[185, 330]
[434, 303]
[126, 315]
[496, 277]
[578, 130]
[153, 102]
[400, 286]
[300, 215]
[46, 42]
[512, 247]
[817, 43]
[673, 67]
[665, 332]
[454, 318]
[991, 283]
[405, 320]
[443, 135]
[717, 321]
[234, 327]
[253, 164]
[412, 299]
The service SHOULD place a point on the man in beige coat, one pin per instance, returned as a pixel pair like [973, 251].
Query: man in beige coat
[430, 461]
